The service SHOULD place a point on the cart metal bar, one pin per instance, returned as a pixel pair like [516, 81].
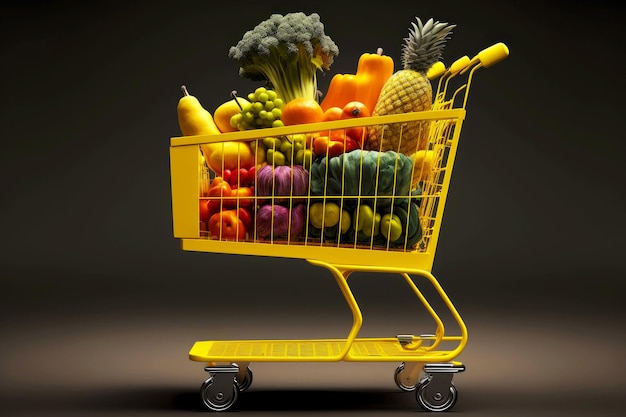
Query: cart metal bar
[247, 135]
[352, 348]
[371, 257]
[345, 270]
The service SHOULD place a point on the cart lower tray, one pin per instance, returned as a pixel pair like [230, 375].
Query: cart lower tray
[320, 350]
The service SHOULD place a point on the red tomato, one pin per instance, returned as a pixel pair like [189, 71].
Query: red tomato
[338, 135]
[350, 144]
[355, 109]
[219, 188]
[204, 211]
[240, 194]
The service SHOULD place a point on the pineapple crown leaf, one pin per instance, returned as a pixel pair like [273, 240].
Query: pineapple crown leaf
[424, 45]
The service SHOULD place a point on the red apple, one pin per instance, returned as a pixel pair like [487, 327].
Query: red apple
[246, 217]
[227, 225]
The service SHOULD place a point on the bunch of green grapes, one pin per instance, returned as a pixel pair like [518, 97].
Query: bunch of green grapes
[263, 110]
[288, 150]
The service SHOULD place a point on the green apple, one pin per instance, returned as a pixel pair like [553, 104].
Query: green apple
[299, 157]
[346, 221]
[298, 139]
[287, 148]
[363, 216]
[391, 226]
[373, 227]
[272, 142]
[275, 157]
[303, 157]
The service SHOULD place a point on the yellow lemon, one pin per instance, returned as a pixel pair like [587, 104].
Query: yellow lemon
[231, 155]
[324, 214]
[332, 211]
[316, 214]
[346, 221]
[423, 161]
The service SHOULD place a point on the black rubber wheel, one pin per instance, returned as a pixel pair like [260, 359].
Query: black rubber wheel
[396, 378]
[247, 381]
[436, 401]
[215, 400]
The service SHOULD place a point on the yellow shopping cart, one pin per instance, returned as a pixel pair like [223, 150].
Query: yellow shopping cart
[361, 211]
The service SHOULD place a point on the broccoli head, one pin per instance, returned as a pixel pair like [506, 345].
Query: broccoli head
[286, 51]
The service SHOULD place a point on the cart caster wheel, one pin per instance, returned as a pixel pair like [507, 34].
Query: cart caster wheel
[434, 400]
[216, 399]
[247, 381]
[399, 383]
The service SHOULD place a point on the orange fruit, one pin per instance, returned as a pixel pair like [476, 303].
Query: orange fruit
[302, 110]
[333, 113]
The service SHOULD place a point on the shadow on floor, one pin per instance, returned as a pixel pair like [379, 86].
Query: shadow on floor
[471, 400]
[181, 401]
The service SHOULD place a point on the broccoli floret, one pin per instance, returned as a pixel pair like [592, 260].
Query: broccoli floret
[286, 51]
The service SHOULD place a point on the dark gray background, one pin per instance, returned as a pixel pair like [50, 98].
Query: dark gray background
[100, 306]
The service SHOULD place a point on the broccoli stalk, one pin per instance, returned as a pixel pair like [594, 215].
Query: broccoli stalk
[286, 52]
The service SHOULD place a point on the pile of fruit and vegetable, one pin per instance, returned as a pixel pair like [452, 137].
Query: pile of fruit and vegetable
[357, 185]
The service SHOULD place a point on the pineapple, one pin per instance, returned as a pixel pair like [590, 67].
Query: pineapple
[409, 90]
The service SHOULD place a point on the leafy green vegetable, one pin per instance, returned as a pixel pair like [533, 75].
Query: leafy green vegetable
[381, 180]
[286, 51]
[364, 176]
